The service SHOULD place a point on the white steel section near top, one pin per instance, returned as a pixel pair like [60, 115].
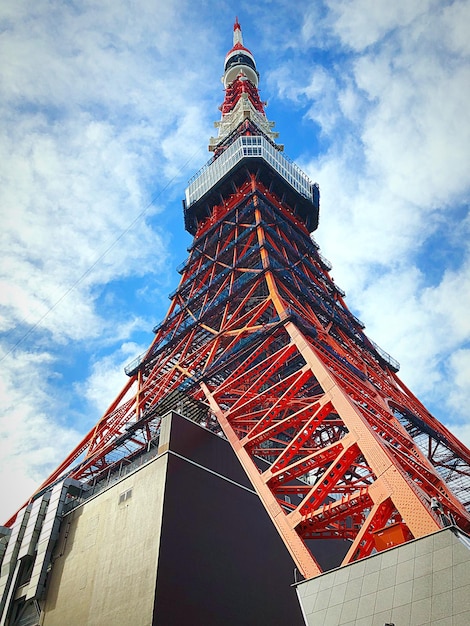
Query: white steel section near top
[244, 108]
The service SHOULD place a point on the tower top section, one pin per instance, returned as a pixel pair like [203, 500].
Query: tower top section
[242, 101]
[245, 151]
[239, 59]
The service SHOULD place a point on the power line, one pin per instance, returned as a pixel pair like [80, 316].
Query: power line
[98, 259]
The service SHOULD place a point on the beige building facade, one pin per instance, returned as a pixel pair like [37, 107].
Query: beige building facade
[105, 570]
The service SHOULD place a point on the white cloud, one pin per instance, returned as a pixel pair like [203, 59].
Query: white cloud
[34, 436]
[361, 23]
[417, 132]
[454, 32]
[107, 376]
[450, 300]
[76, 201]
[459, 393]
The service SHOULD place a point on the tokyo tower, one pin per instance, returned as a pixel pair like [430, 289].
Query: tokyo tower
[259, 345]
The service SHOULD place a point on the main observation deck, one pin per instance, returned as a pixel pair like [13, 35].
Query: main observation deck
[246, 155]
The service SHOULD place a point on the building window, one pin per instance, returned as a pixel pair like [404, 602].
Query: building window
[125, 495]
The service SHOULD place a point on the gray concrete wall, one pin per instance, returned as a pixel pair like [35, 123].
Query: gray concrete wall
[426, 581]
[105, 572]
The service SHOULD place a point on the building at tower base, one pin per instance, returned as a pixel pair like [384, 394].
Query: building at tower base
[177, 537]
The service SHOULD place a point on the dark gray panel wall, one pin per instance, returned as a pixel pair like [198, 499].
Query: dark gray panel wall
[221, 560]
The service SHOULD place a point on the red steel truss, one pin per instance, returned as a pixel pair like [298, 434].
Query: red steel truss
[259, 343]
[259, 332]
[234, 92]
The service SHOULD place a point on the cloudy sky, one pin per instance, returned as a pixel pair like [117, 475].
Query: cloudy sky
[106, 110]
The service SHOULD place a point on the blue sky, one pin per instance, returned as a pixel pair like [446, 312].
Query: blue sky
[107, 109]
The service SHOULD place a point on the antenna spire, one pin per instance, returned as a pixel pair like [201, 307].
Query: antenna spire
[237, 33]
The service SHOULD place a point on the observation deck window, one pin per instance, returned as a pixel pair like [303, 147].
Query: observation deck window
[247, 146]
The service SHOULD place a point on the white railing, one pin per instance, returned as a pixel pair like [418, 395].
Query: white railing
[247, 146]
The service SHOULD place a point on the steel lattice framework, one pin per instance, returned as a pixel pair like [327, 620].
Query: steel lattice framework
[259, 343]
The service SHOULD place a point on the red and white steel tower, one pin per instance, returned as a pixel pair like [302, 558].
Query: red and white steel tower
[259, 343]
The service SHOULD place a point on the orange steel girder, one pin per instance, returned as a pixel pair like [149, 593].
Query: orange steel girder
[259, 334]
